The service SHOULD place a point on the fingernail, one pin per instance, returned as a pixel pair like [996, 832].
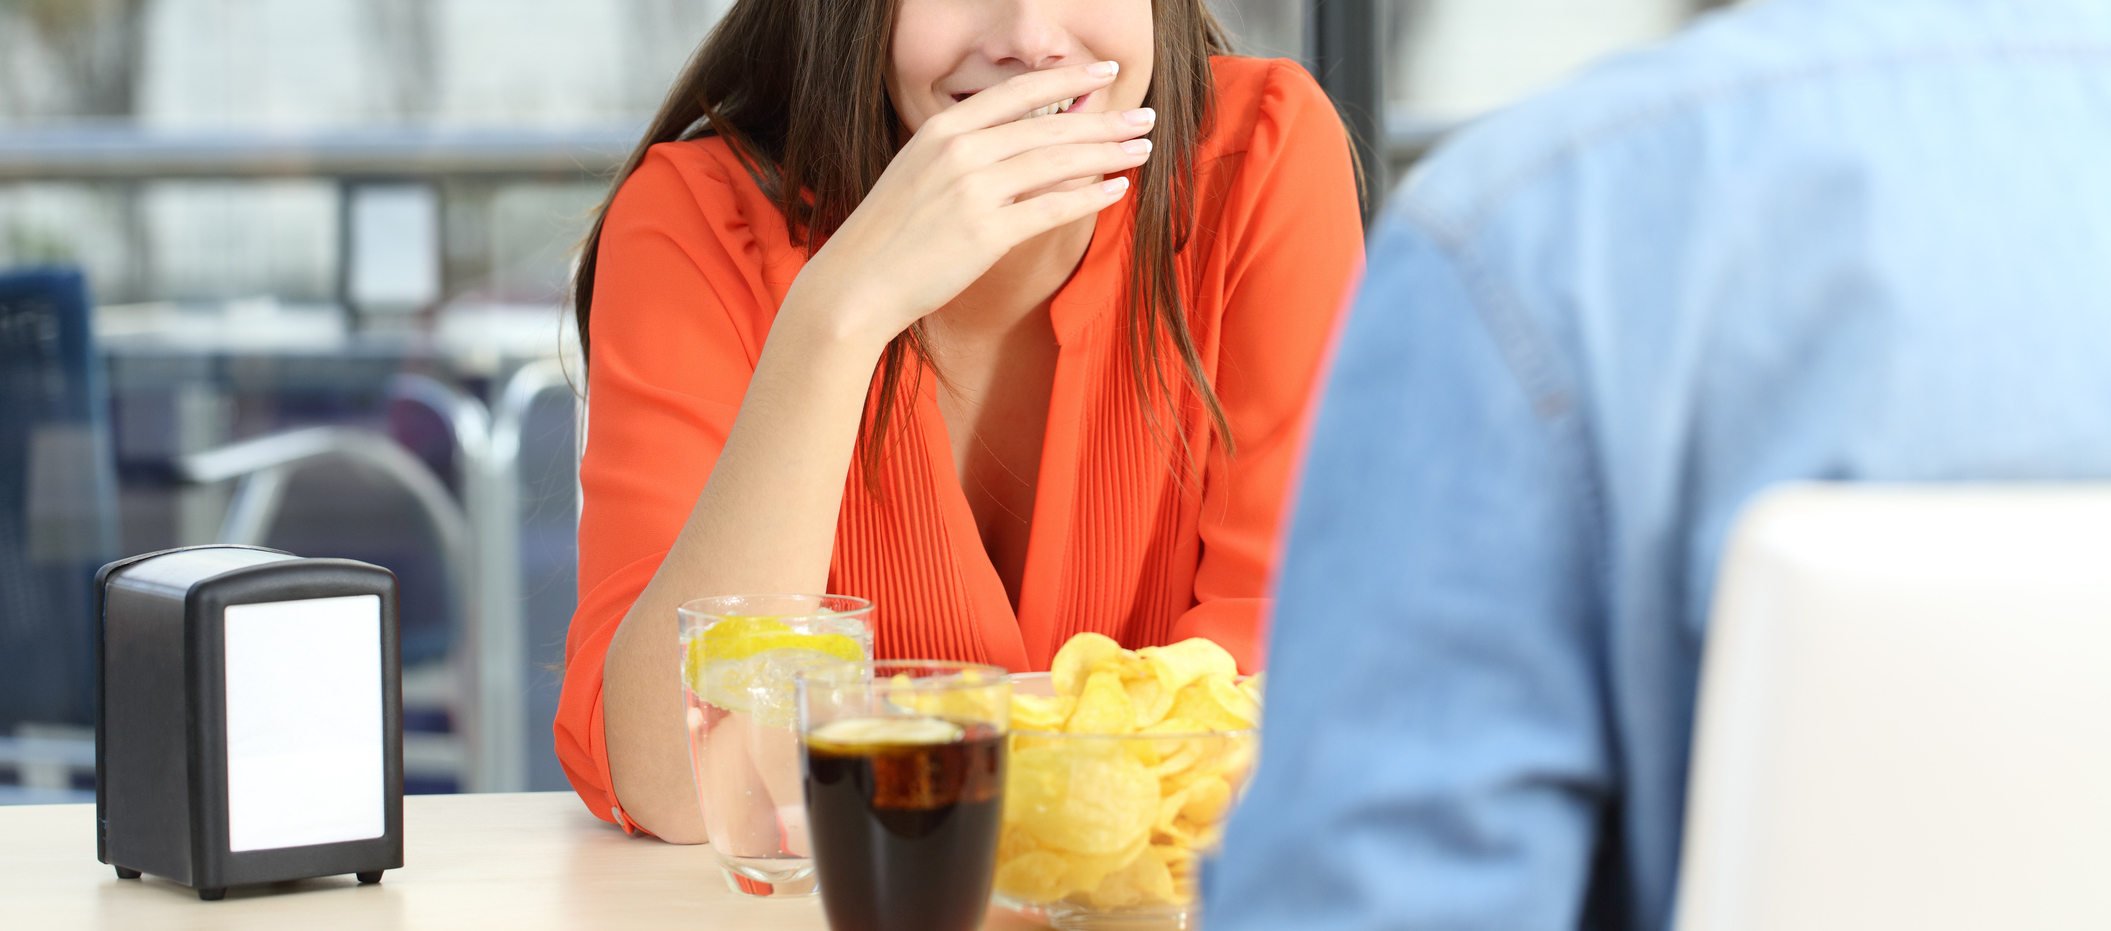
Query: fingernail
[1141, 116]
[1114, 186]
[1137, 147]
[1103, 69]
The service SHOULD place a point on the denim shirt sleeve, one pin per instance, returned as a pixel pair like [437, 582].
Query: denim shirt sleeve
[1435, 752]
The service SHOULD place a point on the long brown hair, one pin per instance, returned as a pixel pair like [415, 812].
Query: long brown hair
[797, 88]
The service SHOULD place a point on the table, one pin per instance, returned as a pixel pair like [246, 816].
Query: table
[517, 861]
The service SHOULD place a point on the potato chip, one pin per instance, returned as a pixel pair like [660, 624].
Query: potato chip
[1145, 751]
[1172, 747]
[1234, 700]
[1083, 654]
[1041, 712]
[1102, 707]
[1199, 799]
[1176, 833]
[901, 691]
[905, 693]
[1175, 857]
[1036, 876]
[1131, 666]
[1180, 758]
[1169, 808]
[1013, 842]
[1074, 874]
[1206, 800]
[1204, 702]
[1181, 726]
[1089, 797]
[1145, 694]
[1205, 836]
[1188, 660]
[1144, 881]
[1115, 824]
[1238, 758]
[1160, 698]
[1174, 783]
[1226, 758]
[1180, 866]
[1086, 873]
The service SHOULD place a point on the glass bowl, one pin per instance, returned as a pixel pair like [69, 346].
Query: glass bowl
[1108, 831]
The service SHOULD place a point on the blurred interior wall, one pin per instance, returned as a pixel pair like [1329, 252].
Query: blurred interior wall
[68, 58]
[1451, 59]
[326, 63]
[1264, 28]
[304, 65]
[295, 63]
[298, 65]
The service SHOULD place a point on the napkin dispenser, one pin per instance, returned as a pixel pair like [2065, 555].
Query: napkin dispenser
[250, 728]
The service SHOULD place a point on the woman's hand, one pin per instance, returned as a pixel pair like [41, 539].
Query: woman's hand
[972, 183]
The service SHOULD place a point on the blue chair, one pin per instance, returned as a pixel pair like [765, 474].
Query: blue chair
[58, 498]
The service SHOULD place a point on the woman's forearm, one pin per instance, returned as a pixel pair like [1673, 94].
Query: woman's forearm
[765, 522]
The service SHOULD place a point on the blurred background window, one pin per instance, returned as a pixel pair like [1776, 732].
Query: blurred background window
[305, 261]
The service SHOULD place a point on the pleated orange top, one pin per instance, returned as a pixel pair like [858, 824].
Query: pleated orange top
[695, 261]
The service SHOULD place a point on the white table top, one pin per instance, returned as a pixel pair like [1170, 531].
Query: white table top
[518, 862]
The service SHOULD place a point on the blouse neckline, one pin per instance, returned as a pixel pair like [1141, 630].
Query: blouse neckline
[1015, 635]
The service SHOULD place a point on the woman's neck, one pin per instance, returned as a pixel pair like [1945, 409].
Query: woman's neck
[1020, 283]
[996, 346]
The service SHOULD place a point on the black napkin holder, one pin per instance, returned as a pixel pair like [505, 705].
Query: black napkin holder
[250, 728]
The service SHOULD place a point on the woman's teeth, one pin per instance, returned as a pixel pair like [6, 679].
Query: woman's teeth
[1054, 108]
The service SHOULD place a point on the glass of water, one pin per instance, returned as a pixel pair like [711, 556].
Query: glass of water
[739, 654]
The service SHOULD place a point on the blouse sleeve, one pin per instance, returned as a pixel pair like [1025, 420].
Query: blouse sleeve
[680, 307]
[1296, 244]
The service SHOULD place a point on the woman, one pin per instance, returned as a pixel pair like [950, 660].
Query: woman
[1004, 317]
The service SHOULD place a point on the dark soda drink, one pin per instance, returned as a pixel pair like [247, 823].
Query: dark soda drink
[904, 815]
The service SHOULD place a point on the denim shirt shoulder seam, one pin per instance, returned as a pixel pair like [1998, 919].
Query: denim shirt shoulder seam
[1549, 382]
[1552, 388]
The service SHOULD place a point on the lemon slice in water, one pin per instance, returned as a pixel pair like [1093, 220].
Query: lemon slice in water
[890, 731]
[746, 664]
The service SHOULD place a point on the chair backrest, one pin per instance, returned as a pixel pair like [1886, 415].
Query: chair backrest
[58, 497]
[1905, 714]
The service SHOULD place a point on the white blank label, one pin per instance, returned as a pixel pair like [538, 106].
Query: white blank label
[304, 728]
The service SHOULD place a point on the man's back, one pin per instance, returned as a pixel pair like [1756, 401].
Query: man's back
[1831, 239]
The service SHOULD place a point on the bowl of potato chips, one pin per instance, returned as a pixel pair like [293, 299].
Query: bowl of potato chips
[1123, 766]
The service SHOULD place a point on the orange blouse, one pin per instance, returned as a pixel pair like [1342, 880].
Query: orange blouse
[695, 261]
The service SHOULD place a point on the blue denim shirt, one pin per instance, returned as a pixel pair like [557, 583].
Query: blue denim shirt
[1807, 239]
